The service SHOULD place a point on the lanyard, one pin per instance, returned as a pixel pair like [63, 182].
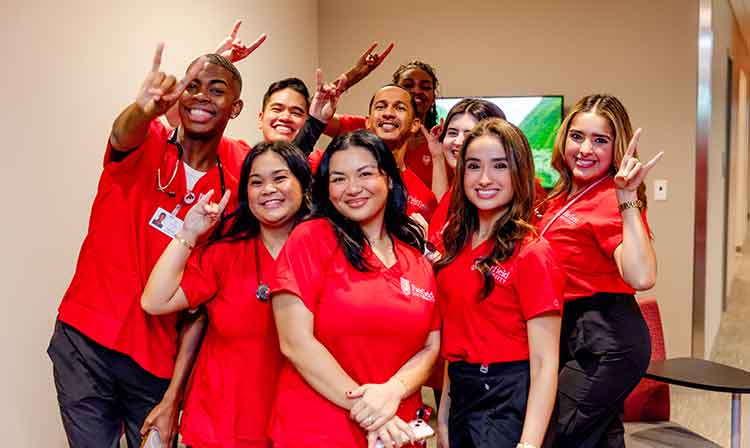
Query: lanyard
[163, 188]
[570, 203]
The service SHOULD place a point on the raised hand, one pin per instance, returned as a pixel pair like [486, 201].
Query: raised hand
[234, 49]
[203, 215]
[367, 62]
[160, 91]
[326, 97]
[632, 171]
[432, 137]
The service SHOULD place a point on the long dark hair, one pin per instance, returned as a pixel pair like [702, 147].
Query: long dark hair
[241, 224]
[513, 226]
[349, 233]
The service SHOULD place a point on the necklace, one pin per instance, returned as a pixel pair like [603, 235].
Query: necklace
[263, 293]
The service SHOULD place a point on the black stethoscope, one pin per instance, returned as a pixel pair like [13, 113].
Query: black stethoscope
[189, 196]
[263, 292]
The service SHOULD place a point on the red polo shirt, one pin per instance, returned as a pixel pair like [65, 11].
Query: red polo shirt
[584, 239]
[121, 248]
[493, 329]
[234, 379]
[371, 322]
[421, 199]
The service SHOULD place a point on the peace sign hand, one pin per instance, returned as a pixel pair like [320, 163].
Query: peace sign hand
[203, 215]
[367, 62]
[160, 91]
[632, 171]
[234, 49]
[326, 97]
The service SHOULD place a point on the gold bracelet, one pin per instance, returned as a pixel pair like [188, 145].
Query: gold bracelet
[630, 204]
[184, 242]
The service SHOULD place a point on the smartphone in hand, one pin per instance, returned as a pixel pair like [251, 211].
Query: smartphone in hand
[421, 429]
[152, 439]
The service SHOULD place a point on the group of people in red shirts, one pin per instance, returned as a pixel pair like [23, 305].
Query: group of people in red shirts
[291, 296]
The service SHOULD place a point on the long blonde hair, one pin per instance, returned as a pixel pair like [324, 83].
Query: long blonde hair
[614, 112]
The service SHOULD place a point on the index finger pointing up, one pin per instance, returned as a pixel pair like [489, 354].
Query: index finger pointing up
[235, 29]
[318, 79]
[157, 57]
[633, 143]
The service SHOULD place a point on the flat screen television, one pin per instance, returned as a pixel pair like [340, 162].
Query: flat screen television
[539, 117]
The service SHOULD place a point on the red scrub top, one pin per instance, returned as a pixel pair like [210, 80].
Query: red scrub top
[584, 239]
[493, 329]
[421, 199]
[439, 219]
[103, 300]
[371, 322]
[417, 158]
[234, 379]
[314, 159]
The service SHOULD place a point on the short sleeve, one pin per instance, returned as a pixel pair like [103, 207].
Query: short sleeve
[200, 280]
[302, 262]
[437, 317]
[150, 148]
[606, 225]
[351, 123]
[540, 280]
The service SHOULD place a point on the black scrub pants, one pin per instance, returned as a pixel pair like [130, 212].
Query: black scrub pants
[487, 407]
[605, 348]
[100, 391]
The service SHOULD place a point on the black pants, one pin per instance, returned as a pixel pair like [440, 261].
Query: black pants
[605, 348]
[100, 391]
[487, 408]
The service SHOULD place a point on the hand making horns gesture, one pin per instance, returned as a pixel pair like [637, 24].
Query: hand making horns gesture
[367, 62]
[234, 49]
[632, 171]
[160, 91]
[326, 97]
[203, 215]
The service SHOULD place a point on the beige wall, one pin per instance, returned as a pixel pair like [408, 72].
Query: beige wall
[738, 185]
[69, 67]
[643, 51]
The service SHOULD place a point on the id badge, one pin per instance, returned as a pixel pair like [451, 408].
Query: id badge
[165, 222]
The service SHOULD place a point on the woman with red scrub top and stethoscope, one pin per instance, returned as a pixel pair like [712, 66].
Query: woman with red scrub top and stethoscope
[355, 306]
[595, 221]
[234, 379]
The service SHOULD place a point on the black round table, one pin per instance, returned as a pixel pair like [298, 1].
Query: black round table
[705, 375]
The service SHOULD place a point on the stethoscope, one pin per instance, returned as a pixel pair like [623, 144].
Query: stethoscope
[189, 196]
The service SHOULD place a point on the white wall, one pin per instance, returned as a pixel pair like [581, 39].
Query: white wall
[68, 69]
[643, 51]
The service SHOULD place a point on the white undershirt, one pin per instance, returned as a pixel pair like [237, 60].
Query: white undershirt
[192, 176]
